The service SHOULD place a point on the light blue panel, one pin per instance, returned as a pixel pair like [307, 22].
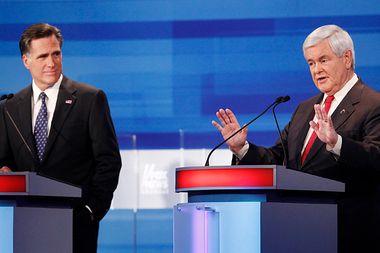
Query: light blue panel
[239, 226]
[196, 229]
[154, 231]
[143, 231]
[6, 228]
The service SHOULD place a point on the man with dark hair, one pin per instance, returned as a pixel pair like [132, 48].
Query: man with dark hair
[335, 134]
[68, 131]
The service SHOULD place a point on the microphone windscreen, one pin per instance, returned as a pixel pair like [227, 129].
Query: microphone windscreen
[285, 99]
[279, 99]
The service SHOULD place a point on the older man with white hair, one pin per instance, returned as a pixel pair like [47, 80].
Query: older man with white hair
[335, 134]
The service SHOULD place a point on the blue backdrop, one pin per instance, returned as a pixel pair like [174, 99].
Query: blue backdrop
[167, 66]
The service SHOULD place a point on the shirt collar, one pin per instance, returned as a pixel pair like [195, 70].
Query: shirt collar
[338, 97]
[51, 91]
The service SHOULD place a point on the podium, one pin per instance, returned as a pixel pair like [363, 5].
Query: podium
[35, 213]
[255, 209]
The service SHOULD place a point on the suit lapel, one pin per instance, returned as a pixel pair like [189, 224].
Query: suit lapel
[65, 102]
[309, 115]
[346, 107]
[24, 113]
[340, 115]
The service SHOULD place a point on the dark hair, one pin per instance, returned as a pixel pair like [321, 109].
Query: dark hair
[38, 31]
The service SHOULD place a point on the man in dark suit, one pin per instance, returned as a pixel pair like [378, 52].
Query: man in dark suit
[67, 130]
[335, 134]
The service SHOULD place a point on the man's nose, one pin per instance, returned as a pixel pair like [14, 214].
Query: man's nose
[50, 61]
[317, 67]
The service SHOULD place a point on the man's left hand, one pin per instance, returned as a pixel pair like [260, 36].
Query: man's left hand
[5, 169]
[324, 127]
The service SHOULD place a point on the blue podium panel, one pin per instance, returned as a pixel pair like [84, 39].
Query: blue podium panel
[255, 227]
[43, 229]
[217, 227]
[6, 228]
[261, 209]
[298, 227]
[36, 213]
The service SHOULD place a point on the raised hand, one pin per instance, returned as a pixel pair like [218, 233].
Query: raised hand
[229, 125]
[324, 127]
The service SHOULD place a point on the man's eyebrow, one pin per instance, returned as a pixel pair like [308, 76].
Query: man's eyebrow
[42, 55]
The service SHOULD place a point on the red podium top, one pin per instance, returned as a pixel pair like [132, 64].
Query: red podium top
[224, 178]
[29, 183]
[13, 183]
[265, 177]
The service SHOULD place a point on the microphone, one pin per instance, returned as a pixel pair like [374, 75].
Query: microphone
[5, 97]
[278, 100]
[9, 96]
[283, 100]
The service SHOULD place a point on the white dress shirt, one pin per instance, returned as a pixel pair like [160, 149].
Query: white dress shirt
[338, 97]
[51, 101]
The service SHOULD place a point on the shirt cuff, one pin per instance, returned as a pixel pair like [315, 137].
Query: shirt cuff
[337, 148]
[243, 151]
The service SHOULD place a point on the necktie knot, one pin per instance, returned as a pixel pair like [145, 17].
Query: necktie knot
[328, 102]
[42, 96]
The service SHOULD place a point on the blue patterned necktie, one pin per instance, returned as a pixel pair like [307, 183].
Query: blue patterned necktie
[41, 127]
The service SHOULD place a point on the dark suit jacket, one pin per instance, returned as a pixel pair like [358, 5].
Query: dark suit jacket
[82, 148]
[357, 120]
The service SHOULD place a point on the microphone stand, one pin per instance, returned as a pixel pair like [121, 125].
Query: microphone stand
[285, 160]
[278, 101]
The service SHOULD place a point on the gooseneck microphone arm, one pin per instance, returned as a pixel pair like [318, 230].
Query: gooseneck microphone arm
[18, 131]
[278, 101]
[285, 159]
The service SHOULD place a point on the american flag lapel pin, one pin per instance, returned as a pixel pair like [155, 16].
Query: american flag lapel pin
[69, 101]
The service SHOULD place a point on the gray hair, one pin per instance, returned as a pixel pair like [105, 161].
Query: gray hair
[339, 40]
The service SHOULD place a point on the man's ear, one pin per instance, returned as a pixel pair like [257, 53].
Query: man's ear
[26, 61]
[348, 59]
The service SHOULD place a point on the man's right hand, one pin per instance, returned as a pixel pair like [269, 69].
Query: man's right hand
[5, 169]
[229, 125]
